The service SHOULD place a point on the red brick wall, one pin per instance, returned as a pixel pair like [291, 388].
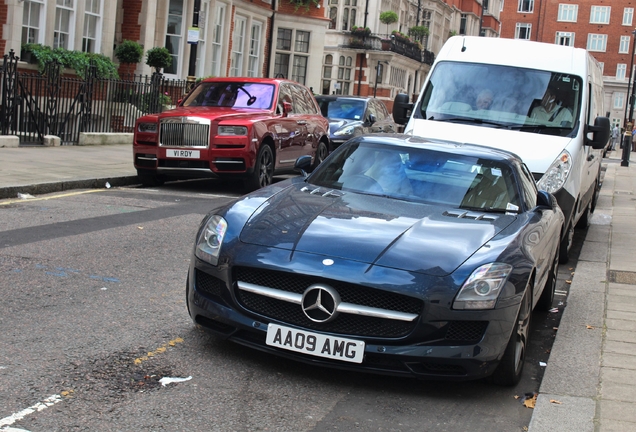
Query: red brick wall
[545, 28]
[3, 20]
[130, 28]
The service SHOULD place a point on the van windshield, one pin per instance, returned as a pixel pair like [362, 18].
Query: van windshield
[503, 96]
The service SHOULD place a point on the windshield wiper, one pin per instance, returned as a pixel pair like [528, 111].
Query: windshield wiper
[484, 209]
[471, 120]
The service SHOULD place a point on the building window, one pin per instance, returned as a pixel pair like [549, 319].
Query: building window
[349, 14]
[621, 71]
[299, 73]
[344, 75]
[525, 6]
[333, 16]
[522, 31]
[565, 38]
[298, 62]
[217, 38]
[92, 26]
[255, 51]
[238, 45]
[174, 35]
[568, 12]
[623, 48]
[628, 16]
[619, 100]
[596, 42]
[462, 25]
[600, 15]
[32, 22]
[326, 74]
[64, 24]
[302, 41]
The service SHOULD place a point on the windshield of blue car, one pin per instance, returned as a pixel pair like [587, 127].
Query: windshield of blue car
[348, 109]
[504, 97]
[420, 175]
[231, 95]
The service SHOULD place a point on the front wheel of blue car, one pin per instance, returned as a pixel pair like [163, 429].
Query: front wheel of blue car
[508, 373]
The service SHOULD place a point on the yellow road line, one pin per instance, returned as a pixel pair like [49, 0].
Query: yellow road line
[52, 197]
[159, 350]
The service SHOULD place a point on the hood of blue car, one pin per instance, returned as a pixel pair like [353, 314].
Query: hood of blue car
[375, 230]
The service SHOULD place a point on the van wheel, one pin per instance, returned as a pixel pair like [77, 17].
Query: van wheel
[547, 296]
[584, 220]
[508, 372]
[566, 245]
[263, 169]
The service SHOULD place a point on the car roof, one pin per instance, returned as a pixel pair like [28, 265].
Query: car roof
[465, 149]
[336, 97]
[251, 80]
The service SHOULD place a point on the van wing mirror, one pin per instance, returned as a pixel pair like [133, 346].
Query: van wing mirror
[600, 133]
[401, 108]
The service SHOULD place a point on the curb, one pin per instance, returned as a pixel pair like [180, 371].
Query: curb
[45, 188]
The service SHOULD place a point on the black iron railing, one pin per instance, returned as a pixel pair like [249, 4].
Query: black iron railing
[34, 105]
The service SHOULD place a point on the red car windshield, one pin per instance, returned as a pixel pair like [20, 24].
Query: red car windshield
[231, 94]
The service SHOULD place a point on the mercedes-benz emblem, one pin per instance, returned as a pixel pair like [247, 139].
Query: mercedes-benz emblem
[320, 303]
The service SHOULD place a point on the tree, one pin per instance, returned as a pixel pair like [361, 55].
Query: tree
[418, 32]
[129, 53]
[388, 17]
[158, 58]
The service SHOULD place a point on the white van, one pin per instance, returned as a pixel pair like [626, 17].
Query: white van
[541, 101]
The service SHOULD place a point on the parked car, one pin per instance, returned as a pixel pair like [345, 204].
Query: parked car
[351, 116]
[247, 128]
[397, 255]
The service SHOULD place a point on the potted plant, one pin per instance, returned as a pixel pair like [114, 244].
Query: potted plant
[76, 60]
[418, 32]
[360, 31]
[388, 17]
[129, 53]
[158, 58]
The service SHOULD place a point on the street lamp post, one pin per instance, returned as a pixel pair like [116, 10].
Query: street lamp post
[627, 141]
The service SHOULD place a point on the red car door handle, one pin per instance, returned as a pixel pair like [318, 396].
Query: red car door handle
[301, 122]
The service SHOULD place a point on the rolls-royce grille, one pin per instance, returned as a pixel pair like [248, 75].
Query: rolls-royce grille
[184, 135]
[355, 325]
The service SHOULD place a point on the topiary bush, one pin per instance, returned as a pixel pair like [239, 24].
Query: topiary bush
[129, 52]
[158, 58]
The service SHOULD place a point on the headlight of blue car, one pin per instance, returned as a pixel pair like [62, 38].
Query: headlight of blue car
[345, 131]
[482, 288]
[210, 240]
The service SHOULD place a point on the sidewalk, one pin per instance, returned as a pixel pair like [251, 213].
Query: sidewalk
[590, 379]
[41, 170]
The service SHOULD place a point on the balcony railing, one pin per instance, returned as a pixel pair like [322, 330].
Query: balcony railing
[376, 42]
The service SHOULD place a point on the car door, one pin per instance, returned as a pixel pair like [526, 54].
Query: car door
[289, 128]
[304, 110]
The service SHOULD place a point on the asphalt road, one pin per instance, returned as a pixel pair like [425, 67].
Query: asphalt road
[93, 316]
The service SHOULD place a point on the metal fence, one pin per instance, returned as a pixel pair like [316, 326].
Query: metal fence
[33, 105]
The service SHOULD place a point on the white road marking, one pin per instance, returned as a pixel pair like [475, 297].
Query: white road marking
[49, 401]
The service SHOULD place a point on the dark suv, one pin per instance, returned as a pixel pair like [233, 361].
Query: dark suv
[351, 116]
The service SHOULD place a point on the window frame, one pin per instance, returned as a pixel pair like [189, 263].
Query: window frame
[618, 97]
[525, 6]
[628, 16]
[237, 56]
[254, 63]
[563, 35]
[99, 17]
[568, 12]
[176, 57]
[623, 46]
[600, 14]
[595, 39]
[622, 67]
[527, 26]
[41, 24]
[57, 30]
[218, 32]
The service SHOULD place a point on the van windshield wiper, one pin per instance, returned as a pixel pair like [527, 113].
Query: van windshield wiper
[471, 121]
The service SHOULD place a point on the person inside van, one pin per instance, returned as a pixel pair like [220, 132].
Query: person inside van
[551, 110]
[484, 100]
